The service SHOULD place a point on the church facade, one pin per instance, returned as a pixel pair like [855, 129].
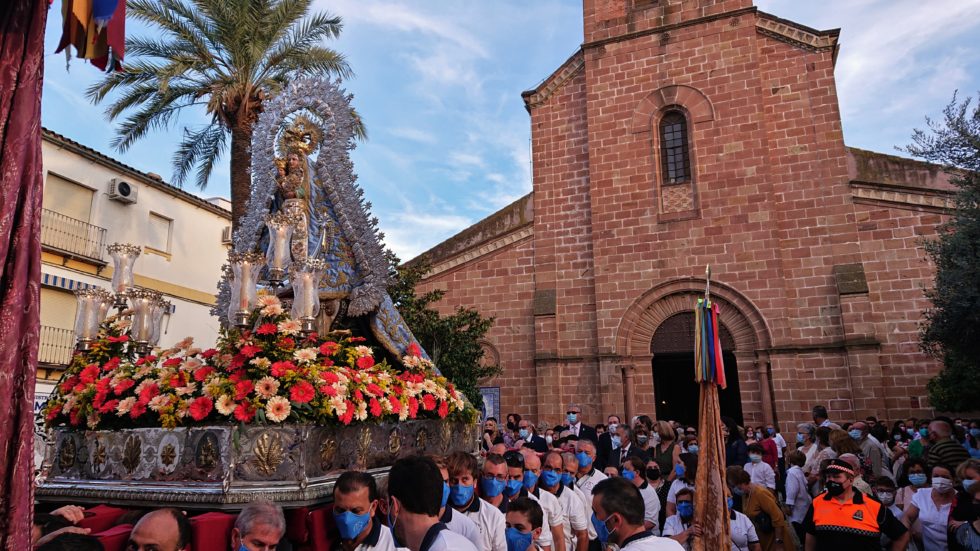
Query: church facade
[686, 133]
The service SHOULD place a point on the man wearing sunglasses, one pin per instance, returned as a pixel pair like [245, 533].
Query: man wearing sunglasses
[575, 426]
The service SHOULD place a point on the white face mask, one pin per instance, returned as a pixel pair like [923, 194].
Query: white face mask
[942, 485]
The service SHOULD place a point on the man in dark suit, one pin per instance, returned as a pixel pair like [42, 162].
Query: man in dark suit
[623, 448]
[531, 440]
[605, 442]
[575, 426]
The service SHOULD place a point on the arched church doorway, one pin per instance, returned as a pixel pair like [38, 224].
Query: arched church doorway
[674, 388]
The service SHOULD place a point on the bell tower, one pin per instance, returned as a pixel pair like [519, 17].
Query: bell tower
[605, 19]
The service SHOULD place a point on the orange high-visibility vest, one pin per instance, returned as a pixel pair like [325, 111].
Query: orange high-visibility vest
[858, 516]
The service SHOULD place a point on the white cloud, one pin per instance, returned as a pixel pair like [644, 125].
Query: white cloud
[410, 232]
[414, 134]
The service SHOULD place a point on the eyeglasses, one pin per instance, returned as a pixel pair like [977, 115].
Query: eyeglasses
[571, 411]
[500, 477]
[552, 469]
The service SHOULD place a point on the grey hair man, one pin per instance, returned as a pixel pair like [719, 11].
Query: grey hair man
[259, 527]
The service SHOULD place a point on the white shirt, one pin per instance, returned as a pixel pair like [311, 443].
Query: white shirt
[743, 532]
[575, 428]
[674, 526]
[450, 540]
[780, 444]
[677, 485]
[652, 543]
[587, 482]
[386, 542]
[461, 524]
[933, 520]
[545, 540]
[574, 513]
[762, 474]
[587, 507]
[651, 506]
[797, 494]
[490, 521]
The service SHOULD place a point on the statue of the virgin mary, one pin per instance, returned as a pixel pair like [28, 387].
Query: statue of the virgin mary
[297, 192]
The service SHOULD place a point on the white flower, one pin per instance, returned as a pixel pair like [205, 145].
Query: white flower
[271, 311]
[266, 387]
[277, 409]
[159, 402]
[289, 327]
[268, 300]
[92, 420]
[411, 361]
[69, 404]
[125, 405]
[185, 390]
[185, 343]
[338, 404]
[260, 362]
[305, 354]
[191, 364]
[361, 413]
[362, 351]
[225, 405]
[192, 351]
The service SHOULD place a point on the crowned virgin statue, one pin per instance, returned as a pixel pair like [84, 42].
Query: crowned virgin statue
[297, 193]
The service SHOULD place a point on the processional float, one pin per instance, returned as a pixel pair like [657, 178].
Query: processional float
[315, 371]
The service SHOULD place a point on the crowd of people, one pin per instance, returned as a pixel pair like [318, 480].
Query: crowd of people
[575, 487]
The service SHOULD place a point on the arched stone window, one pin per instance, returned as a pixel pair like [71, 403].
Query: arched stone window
[675, 156]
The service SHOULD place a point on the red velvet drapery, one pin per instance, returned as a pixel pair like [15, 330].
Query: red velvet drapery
[21, 73]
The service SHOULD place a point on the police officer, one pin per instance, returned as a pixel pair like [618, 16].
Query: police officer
[844, 518]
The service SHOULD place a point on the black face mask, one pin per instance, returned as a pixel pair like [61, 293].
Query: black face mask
[834, 489]
[511, 426]
[653, 474]
[488, 431]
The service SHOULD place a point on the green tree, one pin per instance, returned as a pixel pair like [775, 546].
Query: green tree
[951, 331]
[453, 341]
[227, 56]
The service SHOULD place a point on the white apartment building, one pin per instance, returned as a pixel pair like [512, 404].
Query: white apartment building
[91, 201]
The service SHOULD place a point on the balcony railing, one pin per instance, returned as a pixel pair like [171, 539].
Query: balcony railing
[56, 346]
[75, 237]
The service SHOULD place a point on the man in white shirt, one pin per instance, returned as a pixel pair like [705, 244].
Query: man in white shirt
[548, 502]
[453, 519]
[634, 470]
[415, 489]
[759, 471]
[576, 522]
[569, 478]
[514, 489]
[618, 507]
[489, 520]
[798, 497]
[588, 476]
[355, 501]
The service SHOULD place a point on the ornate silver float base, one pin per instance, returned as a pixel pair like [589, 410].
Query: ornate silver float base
[224, 467]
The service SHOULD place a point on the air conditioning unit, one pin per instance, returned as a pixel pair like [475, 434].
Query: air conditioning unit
[122, 191]
[226, 235]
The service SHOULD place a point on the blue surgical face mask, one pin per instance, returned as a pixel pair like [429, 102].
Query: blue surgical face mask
[685, 509]
[770, 431]
[755, 458]
[731, 502]
[512, 487]
[550, 478]
[567, 479]
[492, 487]
[968, 483]
[445, 494]
[917, 479]
[923, 432]
[523, 433]
[693, 448]
[738, 491]
[602, 532]
[800, 438]
[584, 460]
[530, 479]
[460, 494]
[679, 469]
[641, 439]
[975, 432]
[629, 475]
[855, 434]
[517, 540]
[615, 442]
[350, 525]
[572, 418]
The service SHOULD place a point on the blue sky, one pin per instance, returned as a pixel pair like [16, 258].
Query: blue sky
[438, 83]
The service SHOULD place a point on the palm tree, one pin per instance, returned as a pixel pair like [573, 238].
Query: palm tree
[227, 56]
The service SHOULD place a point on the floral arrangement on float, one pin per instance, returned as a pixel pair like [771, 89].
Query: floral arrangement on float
[270, 372]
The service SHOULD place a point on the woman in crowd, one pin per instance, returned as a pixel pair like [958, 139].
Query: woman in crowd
[491, 434]
[797, 493]
[842, 443]
[900, 435]
[665, 450]
[744, 535]
[759, 504]
[691, 444]
[806, 440]
[825, 453]
[641, 439]
[510, 435]
[634, 469]
[966, 536]
[964, 512]
[931, 507]
[736, 450]
[913, 477]
[770, 450]
[760, 472]
[686, 472]
[658, 483]
[898, 456]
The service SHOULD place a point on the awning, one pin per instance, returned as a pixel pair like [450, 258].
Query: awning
[61, 282]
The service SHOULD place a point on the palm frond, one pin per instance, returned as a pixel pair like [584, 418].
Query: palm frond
[178, 20]
[201, 147]
[155, 114]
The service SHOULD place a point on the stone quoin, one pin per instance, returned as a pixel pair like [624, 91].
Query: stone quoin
[688, 133]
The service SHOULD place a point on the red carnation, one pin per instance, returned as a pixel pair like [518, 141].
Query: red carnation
[428, 402]
[89, 374]
[328, 390]
[201, 407]
[374, 389]
[111, 364]
[99, 398]
[69, 383]
[359, 395]
[365, 362]
[286, 343]
[103, 384]
[201, 373]
[348, 414]
[413, 350]
[109, 406]
[75, 416]
[413, 407]
[266, 329]
[302, 392]
[123, 386]
[250, 350]
[375, 406]
[149, 392]
[443, 409]
[396, 404]
[207, 354]
[172, 362]
[120, 338]
[329, 348]
[237, 362]
[330, 377]
[280, 369]
[138, 409]
[244, 412]
[52, 414]
[242, 388]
